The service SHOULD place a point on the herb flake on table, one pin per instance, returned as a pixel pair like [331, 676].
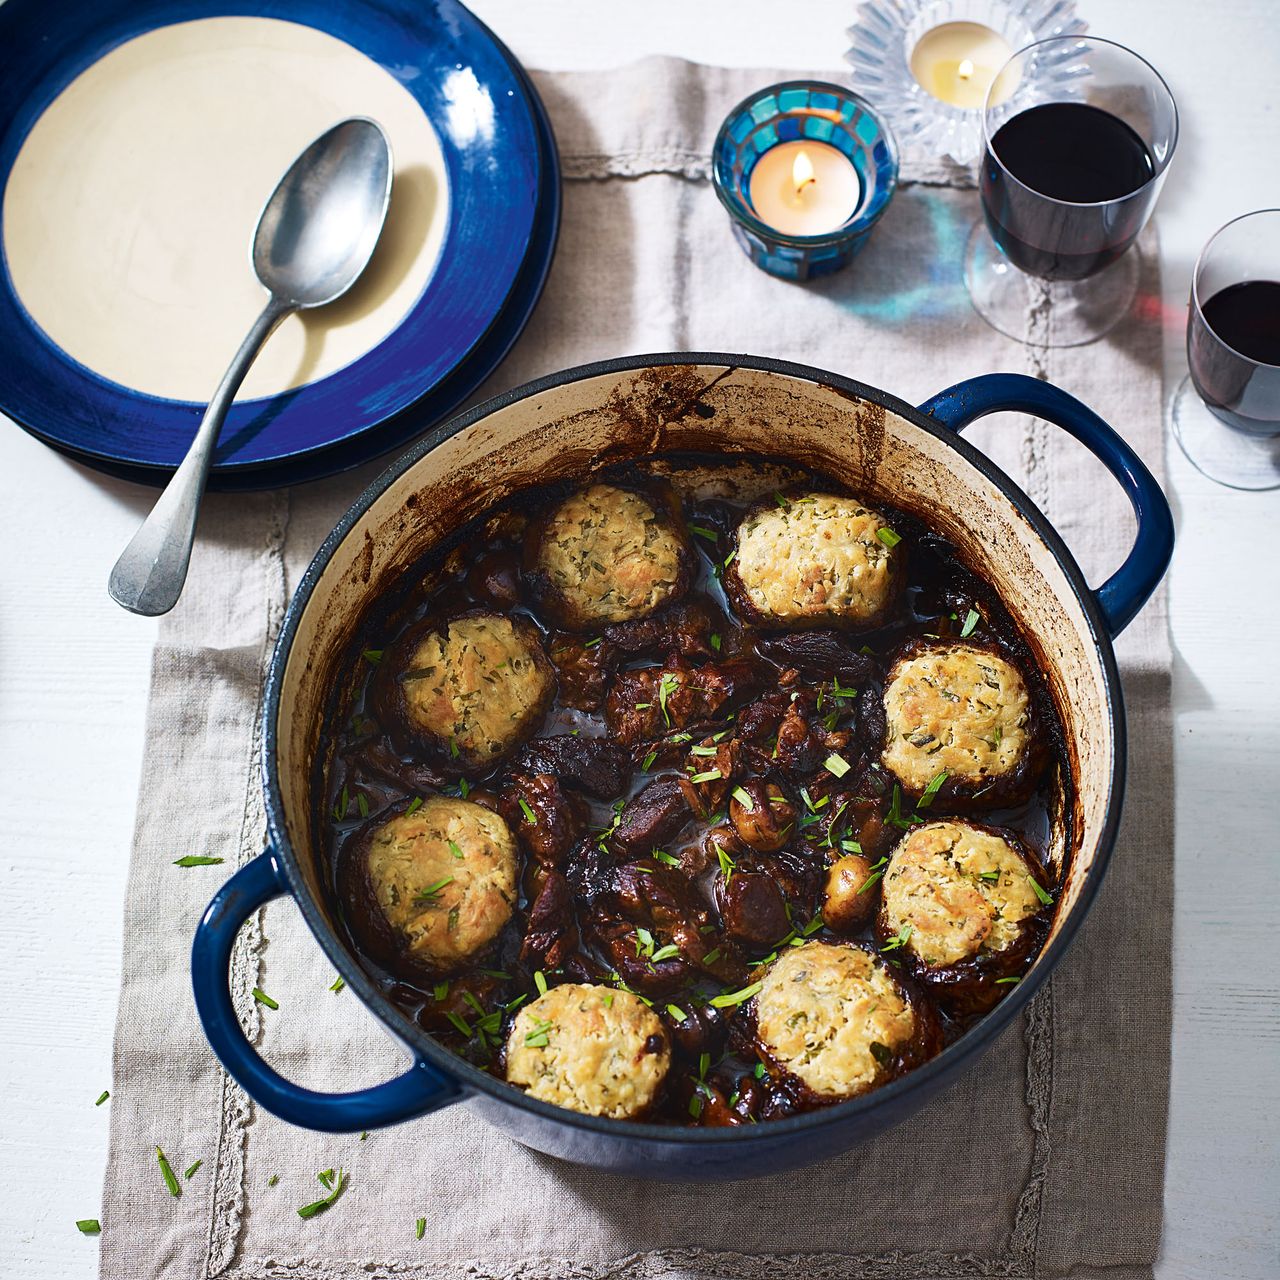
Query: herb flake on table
[166, 1171]
[196, 860]
[102, 1097]
[338, 983]
[420, 1228]
[88, 1226]
[262, 998]
[191, 1169]
[335, 1182]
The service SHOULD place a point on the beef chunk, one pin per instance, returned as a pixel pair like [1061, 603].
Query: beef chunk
[651, 818]
[376, 759]
[753, 909]
[551, 933]
[819, 655]
[558, 817]
[594, 765]
[582, 669]
[715, 763]
[682, 631]
[644, 704]
[494, 580]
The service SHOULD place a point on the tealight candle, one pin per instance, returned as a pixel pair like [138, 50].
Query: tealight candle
[805, 169]
[805, 188]
[958, 61]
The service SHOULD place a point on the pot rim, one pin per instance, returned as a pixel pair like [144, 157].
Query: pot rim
[924, 1079]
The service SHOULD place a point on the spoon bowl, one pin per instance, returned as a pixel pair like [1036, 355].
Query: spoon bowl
[320, 226]
[314, 238]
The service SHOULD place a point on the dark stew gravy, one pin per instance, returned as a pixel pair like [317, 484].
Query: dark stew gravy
[590, 931]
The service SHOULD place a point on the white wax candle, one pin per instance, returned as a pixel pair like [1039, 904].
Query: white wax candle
[805, 188]
[958, 61]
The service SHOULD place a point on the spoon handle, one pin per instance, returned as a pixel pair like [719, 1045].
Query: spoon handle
[149, 575]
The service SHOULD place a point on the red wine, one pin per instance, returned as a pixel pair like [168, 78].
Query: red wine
[1082, 193]
[1239, 381]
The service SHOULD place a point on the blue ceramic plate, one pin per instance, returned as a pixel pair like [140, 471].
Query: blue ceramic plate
[495, 182]
[441, 401]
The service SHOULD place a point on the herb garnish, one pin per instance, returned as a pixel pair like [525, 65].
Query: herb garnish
[743, 797]
[931, 790]
[876, 872]
[899, 939]
[647, 763]
[715, 641]
[1003, 981]
[888, 537]
[727, 999]
[191, 1169]
[196, 860]
[667, 685]
[338, 983]
[335, 1183]
[420, 1229]
[971, 620]
[711, 775]
[1045, 897]
[431, 894]
[676, 1012]
[453, 849]
[88, 1226]
[727, 864]
[836, 765]
[262, 998]
[373, 655]
[529, 816]
[661, 855]
[537, 1038]
[540, 981]
[102, 1097]
[166, 1170]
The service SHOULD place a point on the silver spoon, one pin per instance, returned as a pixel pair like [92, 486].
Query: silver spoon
[314, 238]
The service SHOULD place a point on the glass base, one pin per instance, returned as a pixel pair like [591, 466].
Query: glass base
[1233, 458]
[1065, 313]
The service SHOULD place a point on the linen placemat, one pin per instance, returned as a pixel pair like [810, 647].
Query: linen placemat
[1045, 1160]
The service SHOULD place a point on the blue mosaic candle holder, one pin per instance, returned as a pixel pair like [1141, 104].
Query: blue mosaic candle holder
[793, 112]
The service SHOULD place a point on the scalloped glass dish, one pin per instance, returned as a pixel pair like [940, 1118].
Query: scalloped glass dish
[879, 58]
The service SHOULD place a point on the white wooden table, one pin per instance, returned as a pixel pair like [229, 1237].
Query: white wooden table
[74, 673]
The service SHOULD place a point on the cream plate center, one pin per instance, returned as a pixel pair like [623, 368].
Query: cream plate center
[130, 210]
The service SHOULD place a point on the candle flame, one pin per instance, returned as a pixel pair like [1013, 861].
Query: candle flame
[965, 70]
[802, 171]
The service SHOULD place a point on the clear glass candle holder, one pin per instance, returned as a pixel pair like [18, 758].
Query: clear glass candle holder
[798, 111]
[882, 46]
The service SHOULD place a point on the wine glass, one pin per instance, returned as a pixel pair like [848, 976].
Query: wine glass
[1079, 134]
[1226, 413]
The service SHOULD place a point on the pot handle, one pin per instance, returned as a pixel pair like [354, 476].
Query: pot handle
[1126, 591]
[421, 1089]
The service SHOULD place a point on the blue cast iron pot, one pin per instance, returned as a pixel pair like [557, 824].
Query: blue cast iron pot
[563, 427]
